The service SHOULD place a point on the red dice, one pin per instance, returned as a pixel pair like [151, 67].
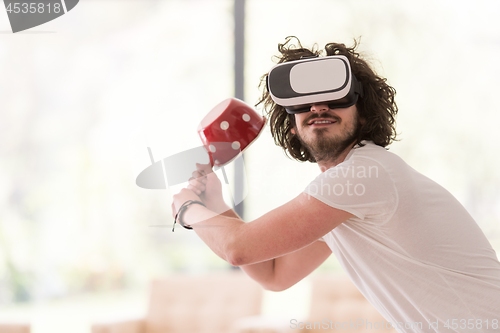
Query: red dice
[228, 129]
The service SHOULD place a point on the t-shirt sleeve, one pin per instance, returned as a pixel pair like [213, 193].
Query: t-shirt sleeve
[360, 186]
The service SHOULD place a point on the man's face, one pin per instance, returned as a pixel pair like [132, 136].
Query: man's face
[326, 132]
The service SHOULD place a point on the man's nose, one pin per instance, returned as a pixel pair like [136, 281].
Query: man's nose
[319, 108]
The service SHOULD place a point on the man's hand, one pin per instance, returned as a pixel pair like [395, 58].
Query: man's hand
[181, 197]
[208, 187]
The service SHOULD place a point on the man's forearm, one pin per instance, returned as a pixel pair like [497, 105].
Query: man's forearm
[231, 213]
[218, 231]
[261, 272]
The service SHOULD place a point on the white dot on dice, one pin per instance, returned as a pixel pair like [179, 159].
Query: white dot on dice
[235, 145]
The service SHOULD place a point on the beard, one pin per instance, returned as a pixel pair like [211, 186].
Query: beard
[327, 147]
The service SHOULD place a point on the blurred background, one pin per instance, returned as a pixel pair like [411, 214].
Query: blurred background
[83, 96]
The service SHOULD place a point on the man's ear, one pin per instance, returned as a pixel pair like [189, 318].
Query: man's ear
[293, 131]
[362, 120]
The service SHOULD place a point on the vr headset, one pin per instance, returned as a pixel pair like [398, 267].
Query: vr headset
[297, 85]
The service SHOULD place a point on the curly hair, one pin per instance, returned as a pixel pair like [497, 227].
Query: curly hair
[377, 107]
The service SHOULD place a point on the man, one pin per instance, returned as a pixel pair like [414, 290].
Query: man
[406, 243]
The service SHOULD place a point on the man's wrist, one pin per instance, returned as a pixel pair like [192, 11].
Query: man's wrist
[219, 207]
[179, 217]
[197, 213]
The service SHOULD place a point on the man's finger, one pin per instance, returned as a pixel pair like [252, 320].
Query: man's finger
[196, 183]
[194, 189]
[199, 176]
[205, 169]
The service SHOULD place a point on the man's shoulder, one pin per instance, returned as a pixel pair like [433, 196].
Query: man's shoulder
[369, 150]
[369, 146]
[370, 154]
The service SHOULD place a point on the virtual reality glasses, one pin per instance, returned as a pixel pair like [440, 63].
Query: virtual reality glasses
[297, 85]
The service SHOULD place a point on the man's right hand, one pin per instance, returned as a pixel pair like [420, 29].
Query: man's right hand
[208, 187]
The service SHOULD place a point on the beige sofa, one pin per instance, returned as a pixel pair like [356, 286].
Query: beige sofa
[14, 328]
[336, 304]
[231, 303]
[209, 303]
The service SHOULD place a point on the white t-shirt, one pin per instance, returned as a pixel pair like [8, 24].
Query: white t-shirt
[412, 249]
